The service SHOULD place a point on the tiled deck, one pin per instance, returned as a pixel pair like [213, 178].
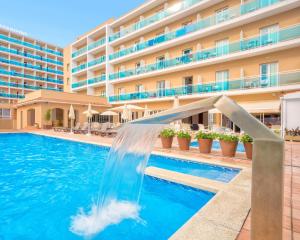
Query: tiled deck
[291, 218]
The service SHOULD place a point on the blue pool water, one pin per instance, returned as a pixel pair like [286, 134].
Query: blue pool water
[216, 146]
[213, 172]
[45, 181]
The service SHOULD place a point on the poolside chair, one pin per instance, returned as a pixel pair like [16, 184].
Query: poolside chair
[83, 129]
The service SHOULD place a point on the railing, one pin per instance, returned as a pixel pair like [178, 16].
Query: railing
[11, 95]
[17, 74]
[239, 46]
[27, 86]
[28, 65]
[96, 61]
[31, 45]
[96, 79]
[79, 84]
[89, 64]
[29, 55]
[154, 18]
[89, 81]
[91, 46]
[256, 82]
[212, 20]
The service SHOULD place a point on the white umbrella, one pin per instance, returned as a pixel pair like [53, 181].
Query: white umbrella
[126, 114]
[71, 117]
[127, 106]
[109, 113]
[89, 113]
[147, 111]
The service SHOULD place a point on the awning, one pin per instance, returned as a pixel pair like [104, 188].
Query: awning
[257, 107]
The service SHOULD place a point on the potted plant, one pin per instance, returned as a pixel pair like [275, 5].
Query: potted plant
[205, 140]
[184, 139]
[166, 137]
[228, 144]
[247, 141]
[48, 118]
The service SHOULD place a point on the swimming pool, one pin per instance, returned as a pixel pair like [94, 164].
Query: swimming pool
[44, 181]
[216, 146]
[213, 172]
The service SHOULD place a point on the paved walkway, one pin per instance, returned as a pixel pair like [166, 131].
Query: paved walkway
[291, 218]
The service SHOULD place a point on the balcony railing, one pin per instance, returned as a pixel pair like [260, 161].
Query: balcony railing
[96, 79]
[17, 74]
[27, 86]
[96, 61]
[239, 46]
[91, 46]
[89, 64]
[256, 82]
[11, 95]
[154, 18]
[215, 19]
[89, 81]
[28, 65]
[30, 45]
[29, 55]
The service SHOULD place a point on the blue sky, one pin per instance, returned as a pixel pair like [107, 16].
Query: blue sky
[61, 21]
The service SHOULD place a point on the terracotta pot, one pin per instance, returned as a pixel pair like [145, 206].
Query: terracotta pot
[184, 143]
[248, 149]
[166, 142]
[228, 148]
[205, 145]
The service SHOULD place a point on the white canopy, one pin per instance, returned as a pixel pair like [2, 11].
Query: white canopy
[272, 106]
[89, 112]
[109, 113]
[127, 106]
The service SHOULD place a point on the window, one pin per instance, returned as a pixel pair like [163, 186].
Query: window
[102, 93]
[187, 23]
[5, 113]
[222, 47]
[269, 74]
[68, 80]
[222, 80]
[121, 91]
[221, 15]
[68, 67]
[186, 52]
[160, 62]
[269, 34]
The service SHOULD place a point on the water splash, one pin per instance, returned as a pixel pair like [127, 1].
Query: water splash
[121, 181]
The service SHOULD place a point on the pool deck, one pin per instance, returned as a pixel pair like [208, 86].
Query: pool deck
[228, 213]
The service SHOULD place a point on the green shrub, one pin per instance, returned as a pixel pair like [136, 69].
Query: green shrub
[48, 115]
[245, 138]
[183, 134]
[167, 132]
[205, 135]
[228, 137]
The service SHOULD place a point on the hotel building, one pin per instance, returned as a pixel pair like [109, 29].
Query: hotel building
[193, 49]
[26, 65]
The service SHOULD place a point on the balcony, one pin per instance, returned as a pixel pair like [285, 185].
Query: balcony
[256, 42]
[27, 86]
[30, 45]
[154, 18]
[92, 81]
[21, 75]
[262, 82]
[90, 47]
[79, 68]
[10, 95]
[29, 55]
[96, 61]
[210, 21]
[28, 65]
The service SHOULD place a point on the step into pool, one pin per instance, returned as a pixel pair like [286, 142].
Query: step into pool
[45, 181]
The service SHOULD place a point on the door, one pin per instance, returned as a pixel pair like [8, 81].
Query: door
[269, 34]
[222, 78]
[161, 86]
[222, 47]
[160, 62]
[188, 85]
[269, 74]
